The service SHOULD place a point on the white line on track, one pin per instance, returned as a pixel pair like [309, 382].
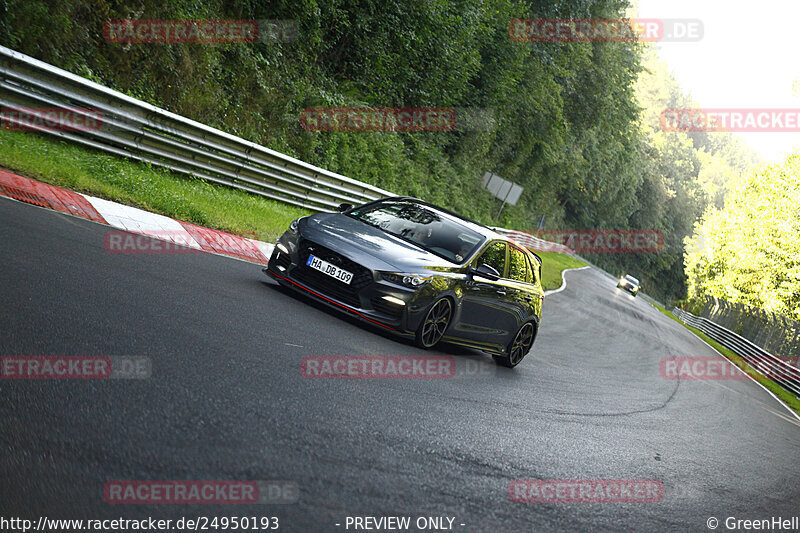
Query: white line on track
[751, 378]
[564, 280]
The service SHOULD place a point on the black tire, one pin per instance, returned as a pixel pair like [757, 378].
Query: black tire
[519, 346]
[435, 323]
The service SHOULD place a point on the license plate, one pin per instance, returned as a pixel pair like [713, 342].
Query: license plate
[332, 270]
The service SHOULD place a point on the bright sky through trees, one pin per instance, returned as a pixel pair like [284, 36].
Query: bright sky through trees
[747, 58]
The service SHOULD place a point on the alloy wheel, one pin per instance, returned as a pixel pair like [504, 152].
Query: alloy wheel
[435, 323]
[522, 344]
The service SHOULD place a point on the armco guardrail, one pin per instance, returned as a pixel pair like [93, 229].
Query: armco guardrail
[775, 333]
[138, 130]
[783, 372]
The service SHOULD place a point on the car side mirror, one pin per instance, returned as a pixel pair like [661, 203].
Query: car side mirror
[486, 271]
[344, 207]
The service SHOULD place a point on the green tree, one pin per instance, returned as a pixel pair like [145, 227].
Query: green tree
[749, 252]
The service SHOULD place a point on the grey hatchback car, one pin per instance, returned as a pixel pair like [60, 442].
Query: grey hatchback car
[417, 270]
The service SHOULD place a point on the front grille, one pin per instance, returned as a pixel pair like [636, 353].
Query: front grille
[387, 308]
[326, 285]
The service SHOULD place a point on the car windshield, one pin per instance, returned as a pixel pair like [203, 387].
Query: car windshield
[429, 229]
[632, 279]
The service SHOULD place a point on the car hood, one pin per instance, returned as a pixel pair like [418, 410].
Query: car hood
[368, 245]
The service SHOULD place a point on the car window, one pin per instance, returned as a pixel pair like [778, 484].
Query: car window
[422, 225]
[518, 265]
[495, 257]
[532, 270]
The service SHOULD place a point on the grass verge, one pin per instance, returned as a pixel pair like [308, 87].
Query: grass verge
[790, 399]
[141, 185]
[553, 263]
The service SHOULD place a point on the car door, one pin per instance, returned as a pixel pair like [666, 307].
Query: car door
[488, 309]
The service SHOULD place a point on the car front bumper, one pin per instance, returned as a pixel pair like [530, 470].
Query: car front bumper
[392, 306]
[629, 288]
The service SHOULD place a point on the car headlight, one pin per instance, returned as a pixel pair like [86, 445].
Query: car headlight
[293, 226]
[409, 280]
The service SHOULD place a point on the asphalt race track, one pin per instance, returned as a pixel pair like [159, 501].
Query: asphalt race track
[227, 401]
